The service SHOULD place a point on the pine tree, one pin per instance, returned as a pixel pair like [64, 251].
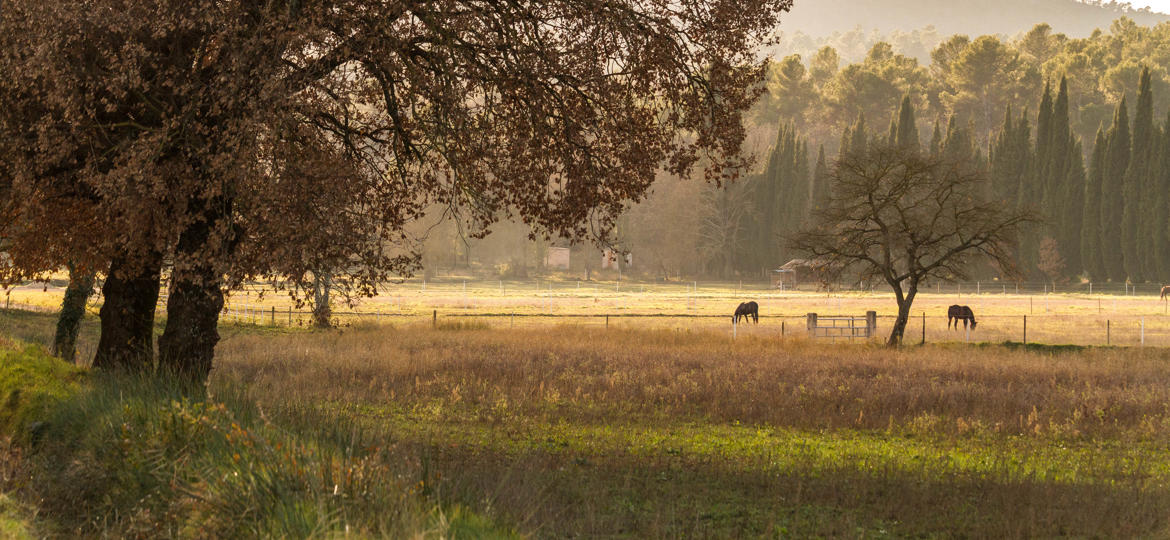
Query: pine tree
[1116, 161]
[1091, 216]
[1134, 182]
[907, 129]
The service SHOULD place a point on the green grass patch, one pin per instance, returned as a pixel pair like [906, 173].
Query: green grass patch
[136, 456]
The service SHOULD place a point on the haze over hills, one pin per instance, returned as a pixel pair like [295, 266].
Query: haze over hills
[822, 18]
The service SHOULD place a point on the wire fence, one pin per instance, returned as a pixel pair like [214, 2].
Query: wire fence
[1083, 315]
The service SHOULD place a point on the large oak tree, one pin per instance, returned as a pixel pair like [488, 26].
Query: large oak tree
[216, 141]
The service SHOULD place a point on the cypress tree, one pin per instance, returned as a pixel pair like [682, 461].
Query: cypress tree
[1065, 183]
[1008, 158]
[935, 140]
[1161, 208]
[1134, 182]
[1116, 161]
[1091, 216]
[1073, 217]
[907, 135]
[820, 188]
[858, 143]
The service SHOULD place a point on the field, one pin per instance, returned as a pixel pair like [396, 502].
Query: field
[666, 426]
[1066, 318]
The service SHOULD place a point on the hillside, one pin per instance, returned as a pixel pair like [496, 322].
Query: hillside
[1006, 17]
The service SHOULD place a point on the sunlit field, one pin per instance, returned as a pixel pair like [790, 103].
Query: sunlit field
[1051, 318]
[558, 428]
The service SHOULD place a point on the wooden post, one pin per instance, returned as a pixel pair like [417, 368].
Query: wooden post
[1090, 288]
[607, 322]
[870, 323]
[435, 319]
[1025, 330]
[812, 324]
[923, 328]
[273, 315]
[781, 328]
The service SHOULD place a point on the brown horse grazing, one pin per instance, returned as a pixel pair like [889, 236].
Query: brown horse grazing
[1165, 291]
[960, 313]
[745, 310]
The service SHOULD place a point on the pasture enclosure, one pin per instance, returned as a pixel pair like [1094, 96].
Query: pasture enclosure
[1131, 317]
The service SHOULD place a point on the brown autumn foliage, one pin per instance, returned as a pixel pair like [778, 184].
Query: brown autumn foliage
[232, 140]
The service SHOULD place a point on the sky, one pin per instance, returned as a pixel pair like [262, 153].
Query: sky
[1157, 5]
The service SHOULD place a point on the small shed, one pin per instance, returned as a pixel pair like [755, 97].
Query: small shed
[793, 273]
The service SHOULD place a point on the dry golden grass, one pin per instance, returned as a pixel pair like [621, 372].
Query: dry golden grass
[589, 374]
[1052, 319]
[568, 430]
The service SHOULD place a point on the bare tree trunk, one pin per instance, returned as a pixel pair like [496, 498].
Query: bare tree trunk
[322, 313]
[72, 311]
[127, 315]
[187, 345]
[905, 300]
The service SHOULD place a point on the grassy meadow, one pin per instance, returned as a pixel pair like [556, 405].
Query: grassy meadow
[475, 428]
[1064, 318]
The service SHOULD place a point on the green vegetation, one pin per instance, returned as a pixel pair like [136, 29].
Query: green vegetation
[468, 431]
[144, 459]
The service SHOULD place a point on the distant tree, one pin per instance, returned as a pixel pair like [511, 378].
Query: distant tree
[1160, 235]
[1115, 164]
[903, 217]
[1051, 262]
[907, 127]
[1091, 249]
[1133, 183]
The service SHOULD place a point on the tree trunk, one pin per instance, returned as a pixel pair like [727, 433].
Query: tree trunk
[322, 313]
[72, 311]
[130, 296]
[187, 346]
[904, 303]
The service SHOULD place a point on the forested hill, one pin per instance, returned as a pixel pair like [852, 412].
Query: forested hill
[822, 18]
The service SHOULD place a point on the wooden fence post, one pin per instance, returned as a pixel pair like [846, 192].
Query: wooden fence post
[812, 324]
[870, 323]
[923, 328]
[1025, 330]
[607, 322]
[781, 328]
[435, 319]
[273, 315]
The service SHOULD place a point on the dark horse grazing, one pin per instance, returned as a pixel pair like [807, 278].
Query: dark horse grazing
[745, 310]
[1165, 291]
[960, 313]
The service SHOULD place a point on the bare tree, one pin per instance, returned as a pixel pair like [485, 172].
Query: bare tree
[903, 217]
